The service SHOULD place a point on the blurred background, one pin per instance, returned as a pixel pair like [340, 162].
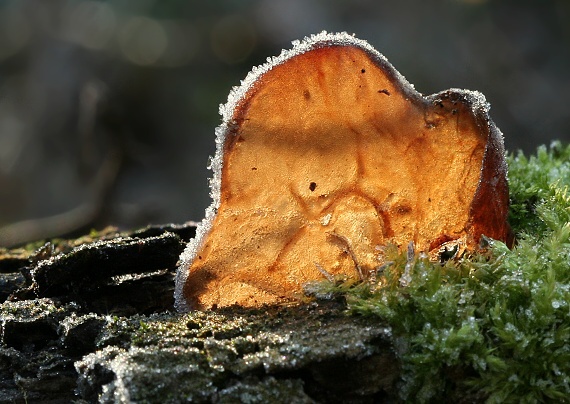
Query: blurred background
[108, 108]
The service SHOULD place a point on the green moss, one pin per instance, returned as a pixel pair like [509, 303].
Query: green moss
[495, 325]
[533, 181]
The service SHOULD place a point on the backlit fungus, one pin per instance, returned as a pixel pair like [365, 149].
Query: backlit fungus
[325, 154]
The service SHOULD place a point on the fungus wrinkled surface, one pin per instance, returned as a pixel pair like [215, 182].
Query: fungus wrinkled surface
[325, 154]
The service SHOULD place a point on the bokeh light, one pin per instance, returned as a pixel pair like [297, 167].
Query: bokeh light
[108, 107]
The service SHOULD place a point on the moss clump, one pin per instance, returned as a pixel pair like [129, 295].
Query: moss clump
[494, 325]
[535, 180]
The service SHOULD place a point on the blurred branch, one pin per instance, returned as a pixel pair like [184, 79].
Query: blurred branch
[74, 220]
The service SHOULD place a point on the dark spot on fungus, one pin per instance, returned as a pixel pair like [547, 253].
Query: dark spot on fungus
[312, 186]
[253, 168]
[363, 71]
[307, 95]
[448, 253]
[384, 91]
[403, 209]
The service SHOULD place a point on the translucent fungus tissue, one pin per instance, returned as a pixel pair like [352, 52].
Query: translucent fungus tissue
[325, 154]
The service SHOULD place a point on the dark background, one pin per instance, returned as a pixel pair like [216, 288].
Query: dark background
[108, 108]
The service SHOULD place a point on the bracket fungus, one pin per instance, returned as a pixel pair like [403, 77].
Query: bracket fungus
[325, 154]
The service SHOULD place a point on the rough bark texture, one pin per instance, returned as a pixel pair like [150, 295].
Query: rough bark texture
[93, 320]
